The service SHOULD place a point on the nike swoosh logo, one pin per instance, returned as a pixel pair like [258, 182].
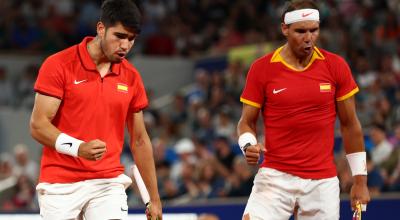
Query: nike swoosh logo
[77, 82]
[305, 15]
[278, 91]
[69, 143]
[124, 210]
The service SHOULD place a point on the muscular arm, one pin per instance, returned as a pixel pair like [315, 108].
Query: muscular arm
[42, 130]
[143, 154]
[350, 126]
[247, 123]
[353, 142]
[44, 110]
[248, 120]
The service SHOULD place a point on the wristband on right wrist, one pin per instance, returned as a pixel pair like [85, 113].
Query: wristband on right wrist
[68, 145]
[246, 140]
[357, 163]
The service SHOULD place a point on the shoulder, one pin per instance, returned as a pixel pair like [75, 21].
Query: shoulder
[63, 57]
[129, 68]
[130, 73]
[332, 58]
[263, 61]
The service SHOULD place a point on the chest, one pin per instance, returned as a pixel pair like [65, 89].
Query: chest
[90, 89]
[309, 88]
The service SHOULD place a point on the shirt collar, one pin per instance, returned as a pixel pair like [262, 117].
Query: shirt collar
[276, 58]
[88, 62]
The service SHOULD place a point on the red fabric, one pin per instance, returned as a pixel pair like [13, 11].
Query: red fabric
[91, 108]
[299, 116]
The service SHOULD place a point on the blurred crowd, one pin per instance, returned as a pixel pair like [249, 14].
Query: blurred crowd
[194, 138]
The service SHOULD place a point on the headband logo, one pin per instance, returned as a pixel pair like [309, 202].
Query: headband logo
[306, 14]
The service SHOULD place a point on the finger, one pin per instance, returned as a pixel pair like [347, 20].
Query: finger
[263, 149]
[252, 162]
[101, 147]
[252, 159]
[98, 156]
[355, 204]
[252, 154]
[98, 151]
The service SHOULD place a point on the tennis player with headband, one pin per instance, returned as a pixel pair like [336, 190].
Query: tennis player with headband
[300, 89]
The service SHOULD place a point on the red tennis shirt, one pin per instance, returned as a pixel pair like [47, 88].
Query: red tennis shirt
[299, 111]
[91, 108]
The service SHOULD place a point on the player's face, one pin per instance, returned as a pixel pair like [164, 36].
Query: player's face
[116, 41]
[302, 36]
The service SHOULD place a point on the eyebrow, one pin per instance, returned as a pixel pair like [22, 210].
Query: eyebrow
[125, 35]
[306, 29]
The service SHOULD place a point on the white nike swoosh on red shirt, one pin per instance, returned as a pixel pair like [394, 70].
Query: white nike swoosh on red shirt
[81, 81]
[278, 91]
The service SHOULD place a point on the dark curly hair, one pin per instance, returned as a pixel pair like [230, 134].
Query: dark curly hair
[124, 11]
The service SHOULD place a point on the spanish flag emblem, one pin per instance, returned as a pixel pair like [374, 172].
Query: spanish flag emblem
[122, 87]
[325, 87]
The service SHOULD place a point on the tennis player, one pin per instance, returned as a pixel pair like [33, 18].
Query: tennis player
[299, 89]
[85, 96]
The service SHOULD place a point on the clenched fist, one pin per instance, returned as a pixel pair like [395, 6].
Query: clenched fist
[253, 153]
[92, 150]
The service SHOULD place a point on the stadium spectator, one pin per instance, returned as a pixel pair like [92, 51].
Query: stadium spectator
[24, 165]
[382, 148]
[6, 94]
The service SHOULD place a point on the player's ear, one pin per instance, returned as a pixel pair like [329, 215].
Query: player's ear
[101, 29]
[285, 29]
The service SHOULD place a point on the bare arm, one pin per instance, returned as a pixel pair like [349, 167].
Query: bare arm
[143, 154]
[42, 130]
[248, 120]
[350, 126]
[353, 142]
[44, 110]
[247, 123]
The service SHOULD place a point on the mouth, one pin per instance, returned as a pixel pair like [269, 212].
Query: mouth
[121, 54]
[308, 49]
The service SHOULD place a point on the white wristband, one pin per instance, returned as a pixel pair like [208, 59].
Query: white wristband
[245, 139]
[358, 163]
[66, 144]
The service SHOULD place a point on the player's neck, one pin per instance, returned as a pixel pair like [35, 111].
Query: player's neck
[294, 60]
[96, 53]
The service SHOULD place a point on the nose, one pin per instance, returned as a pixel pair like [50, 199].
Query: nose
[125, 44]
[307, 37]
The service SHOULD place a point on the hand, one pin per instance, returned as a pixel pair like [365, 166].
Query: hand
[253, 153]
[92, 150]
[359, 191]
[154, 211]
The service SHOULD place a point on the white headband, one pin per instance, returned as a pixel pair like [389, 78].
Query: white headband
[307, 14]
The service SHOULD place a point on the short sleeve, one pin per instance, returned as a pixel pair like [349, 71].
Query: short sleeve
[139, 100]
[345, 84]
[253, 92]
[50, 80]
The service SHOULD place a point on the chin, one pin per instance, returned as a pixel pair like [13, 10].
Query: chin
[116, 60]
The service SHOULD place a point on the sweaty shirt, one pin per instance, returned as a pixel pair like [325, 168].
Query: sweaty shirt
[298, 109]
[91, 108]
